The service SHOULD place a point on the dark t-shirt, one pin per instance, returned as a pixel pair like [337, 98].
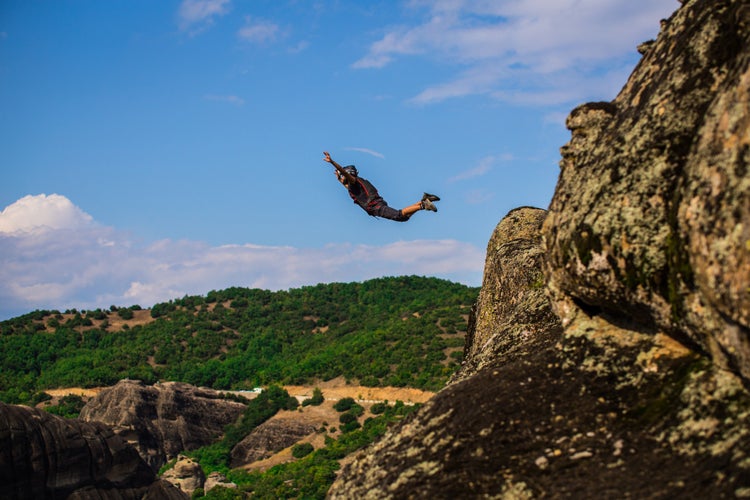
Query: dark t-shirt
[364, 194]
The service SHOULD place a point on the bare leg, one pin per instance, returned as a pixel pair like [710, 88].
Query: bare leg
[411, 209]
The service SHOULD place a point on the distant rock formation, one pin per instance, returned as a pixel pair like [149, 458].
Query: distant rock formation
[186, 474]
[46, 456]
[268, 438]
[639, 388]
[218, 479]
[162, 420]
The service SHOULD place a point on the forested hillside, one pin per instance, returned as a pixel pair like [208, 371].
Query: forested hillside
[405, 331]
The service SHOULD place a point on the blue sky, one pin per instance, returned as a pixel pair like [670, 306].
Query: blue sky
[153, 149]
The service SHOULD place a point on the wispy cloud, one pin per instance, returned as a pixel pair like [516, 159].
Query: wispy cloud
[259, 31]
[300, 47]
[482, 168]
[55, 256]
[195, 16]
[367, 151]
[230, 99]
[562, 50]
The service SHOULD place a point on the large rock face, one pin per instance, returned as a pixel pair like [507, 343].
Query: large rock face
[639, 387]
[162, 420]
[651, 215]
[45, 456]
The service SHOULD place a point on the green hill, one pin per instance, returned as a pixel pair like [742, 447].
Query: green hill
[404, 331]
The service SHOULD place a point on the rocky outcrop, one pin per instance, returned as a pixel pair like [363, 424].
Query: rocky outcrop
[268, 438]
[45, 456]
[651, 214]
[639, 387]
[162, 420]
[512, 305]
[186, 474]
[218, 479]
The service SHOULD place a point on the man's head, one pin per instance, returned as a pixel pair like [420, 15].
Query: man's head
[351, 170]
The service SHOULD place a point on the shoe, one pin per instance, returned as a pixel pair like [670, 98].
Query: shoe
[430, 197]
[428, 205]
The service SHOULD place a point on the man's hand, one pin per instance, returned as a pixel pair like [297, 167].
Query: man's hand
[327, 157]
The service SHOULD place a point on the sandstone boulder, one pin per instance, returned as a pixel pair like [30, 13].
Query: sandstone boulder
[45, 456]
[162, 420]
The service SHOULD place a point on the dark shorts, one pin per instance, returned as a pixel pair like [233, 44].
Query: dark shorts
[387, 212]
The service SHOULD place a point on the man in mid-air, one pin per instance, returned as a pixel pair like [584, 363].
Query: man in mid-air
[366, 196]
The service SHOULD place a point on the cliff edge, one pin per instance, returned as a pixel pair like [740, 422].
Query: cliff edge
[609, 347]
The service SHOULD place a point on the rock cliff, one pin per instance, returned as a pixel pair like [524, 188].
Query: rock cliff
[651, 215]
[608, 351]
[268, 438]
[162, 420]
[45, 456]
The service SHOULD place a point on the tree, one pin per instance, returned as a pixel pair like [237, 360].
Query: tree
[316, 399]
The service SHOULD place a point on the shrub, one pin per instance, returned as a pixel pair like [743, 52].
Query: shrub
[302, 450]
[357, 410]
[292, 403]
[125, 313]
[351, 426]
[70, 406]
[344, 404]
[316, 399]
[378, 408]
[347, 417]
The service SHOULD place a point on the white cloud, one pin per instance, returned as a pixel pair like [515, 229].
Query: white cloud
[258, 31]
[563, 50]
[81, 264]
[367, 151]
[42, 212]
[195, 16]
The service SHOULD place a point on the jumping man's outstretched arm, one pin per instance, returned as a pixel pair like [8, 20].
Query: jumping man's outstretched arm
[341, 172]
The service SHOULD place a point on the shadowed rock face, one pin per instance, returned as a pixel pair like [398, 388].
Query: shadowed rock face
[45, 456]
[162, 420]
[268, 438]
[651, 215]
[617, 386]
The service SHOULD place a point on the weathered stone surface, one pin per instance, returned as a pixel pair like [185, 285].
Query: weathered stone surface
[162, 420]
[268, 438]
[186, 474]
[651, 215]
[512, 304]
[603, 409]
[218, 479]
[45, 456]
